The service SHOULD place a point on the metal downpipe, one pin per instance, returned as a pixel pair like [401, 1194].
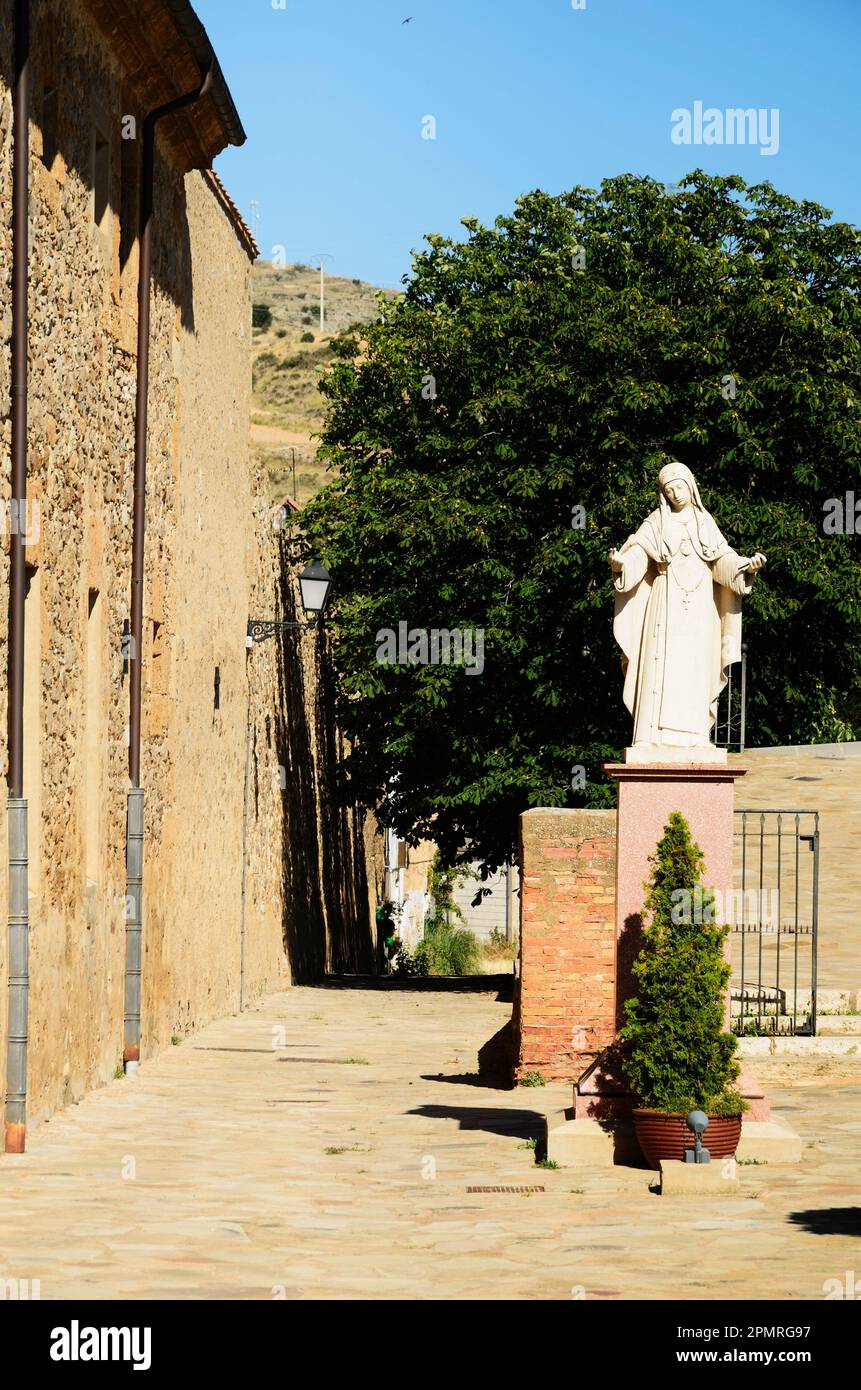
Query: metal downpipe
[134, 929]
[19, 980]
[19, 924]
[135, 808]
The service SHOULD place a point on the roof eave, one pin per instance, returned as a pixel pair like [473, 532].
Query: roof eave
[163, 48]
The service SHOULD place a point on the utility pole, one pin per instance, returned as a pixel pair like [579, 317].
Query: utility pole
[322, 257]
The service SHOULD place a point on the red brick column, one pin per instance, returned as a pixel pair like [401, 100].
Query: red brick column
[564, 1003]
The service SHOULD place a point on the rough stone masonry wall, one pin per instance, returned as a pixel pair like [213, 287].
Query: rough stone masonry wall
[332, 860]
[217, 559]
[564, 1004]
[205, 553]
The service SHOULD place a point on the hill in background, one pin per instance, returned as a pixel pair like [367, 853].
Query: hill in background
[287, 408]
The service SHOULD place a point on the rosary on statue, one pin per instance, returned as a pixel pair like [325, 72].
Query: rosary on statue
[686, 592]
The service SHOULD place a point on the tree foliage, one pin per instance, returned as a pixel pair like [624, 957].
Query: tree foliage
[680, 1055]
[555, 361]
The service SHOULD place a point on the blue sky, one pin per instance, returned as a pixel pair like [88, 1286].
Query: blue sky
[525, 94]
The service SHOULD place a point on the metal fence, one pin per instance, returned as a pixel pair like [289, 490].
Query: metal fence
[774, 921]
[731, 717]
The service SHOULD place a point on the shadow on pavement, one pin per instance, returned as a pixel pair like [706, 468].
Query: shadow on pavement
[495, 1120]
[829, 1221]
[500, 985]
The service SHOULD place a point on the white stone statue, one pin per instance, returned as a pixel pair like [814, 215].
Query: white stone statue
[679, 587]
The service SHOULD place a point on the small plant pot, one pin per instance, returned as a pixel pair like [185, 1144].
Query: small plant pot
[662, 1135]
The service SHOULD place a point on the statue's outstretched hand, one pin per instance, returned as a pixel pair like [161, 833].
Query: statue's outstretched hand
[616, 562]
[755, 563]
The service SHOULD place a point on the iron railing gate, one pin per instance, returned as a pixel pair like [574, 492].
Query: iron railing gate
[730, 723]
[774, 921]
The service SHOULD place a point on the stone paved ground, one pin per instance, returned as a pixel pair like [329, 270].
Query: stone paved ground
[308, 1171]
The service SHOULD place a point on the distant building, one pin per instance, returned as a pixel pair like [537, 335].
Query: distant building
[406, 885]
[499, 911]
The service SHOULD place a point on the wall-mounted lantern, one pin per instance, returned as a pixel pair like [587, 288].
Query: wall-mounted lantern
[314, 585]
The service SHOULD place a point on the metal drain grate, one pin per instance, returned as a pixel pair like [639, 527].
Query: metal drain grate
[505, 1189]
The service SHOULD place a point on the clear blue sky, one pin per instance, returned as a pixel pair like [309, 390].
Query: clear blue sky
[525, 94]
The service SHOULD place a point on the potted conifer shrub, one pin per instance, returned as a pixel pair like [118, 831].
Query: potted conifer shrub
[678, 1054]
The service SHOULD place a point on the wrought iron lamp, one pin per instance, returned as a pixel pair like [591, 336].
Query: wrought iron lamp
[314, 585]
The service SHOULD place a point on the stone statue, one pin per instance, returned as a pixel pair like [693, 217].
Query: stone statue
[679, 587]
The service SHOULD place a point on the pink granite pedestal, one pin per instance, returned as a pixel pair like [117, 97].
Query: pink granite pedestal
[648, 793]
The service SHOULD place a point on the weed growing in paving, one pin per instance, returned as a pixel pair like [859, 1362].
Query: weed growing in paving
[533, 1078]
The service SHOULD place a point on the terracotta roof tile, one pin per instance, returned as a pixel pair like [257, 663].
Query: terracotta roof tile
[240, 226]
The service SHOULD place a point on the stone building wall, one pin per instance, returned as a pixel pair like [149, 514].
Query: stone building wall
[208, 561]
[333, 867]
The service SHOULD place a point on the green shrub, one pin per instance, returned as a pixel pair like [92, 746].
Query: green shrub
[261, 316]
[441, 882]
[497, 945]
[678, 1054]
[446, 949]
[533, 1078]
[404, 964]
[307, 338]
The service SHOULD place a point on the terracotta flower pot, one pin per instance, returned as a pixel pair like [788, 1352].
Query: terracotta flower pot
[661, 1135]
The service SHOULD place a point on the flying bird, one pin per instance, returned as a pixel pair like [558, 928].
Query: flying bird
[410, 20]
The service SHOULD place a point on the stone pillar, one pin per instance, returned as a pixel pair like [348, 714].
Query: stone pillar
[648, 793]
[565, 1000]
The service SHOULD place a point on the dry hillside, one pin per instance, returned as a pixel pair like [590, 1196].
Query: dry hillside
[287, 410]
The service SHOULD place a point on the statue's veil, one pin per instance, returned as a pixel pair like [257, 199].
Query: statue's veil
[711, 542]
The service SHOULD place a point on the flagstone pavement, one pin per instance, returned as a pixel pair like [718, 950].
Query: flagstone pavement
[322, 1146]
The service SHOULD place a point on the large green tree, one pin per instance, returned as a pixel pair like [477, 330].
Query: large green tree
[556, 361]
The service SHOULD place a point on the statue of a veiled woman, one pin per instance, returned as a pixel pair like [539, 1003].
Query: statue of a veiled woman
[679, 587]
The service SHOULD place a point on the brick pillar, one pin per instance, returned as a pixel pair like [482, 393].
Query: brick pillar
[564, 1003]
